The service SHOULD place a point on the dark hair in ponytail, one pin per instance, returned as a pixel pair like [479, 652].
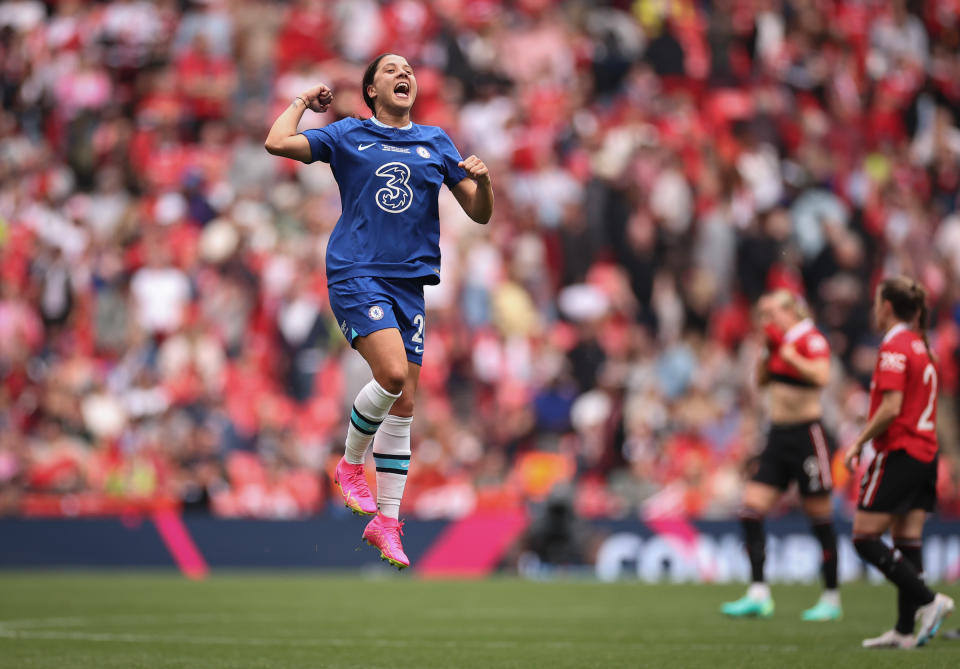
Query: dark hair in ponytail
[368, 80]
[909, 301]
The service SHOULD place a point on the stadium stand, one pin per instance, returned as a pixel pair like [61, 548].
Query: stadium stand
[164, 333]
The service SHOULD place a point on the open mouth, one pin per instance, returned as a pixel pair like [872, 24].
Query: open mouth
[402, 90]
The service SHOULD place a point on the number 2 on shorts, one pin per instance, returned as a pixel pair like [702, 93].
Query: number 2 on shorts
[417, 337]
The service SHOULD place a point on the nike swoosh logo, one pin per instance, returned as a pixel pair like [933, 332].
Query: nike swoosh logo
[361, 147]
[418, 350]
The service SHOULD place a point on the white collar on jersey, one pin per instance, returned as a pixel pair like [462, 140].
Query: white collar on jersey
[393, 127]
[798, 330]
[894, 331]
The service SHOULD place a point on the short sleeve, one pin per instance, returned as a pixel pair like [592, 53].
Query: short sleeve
[450, 159]
[891, 374]
[815, 346]
[323, 142]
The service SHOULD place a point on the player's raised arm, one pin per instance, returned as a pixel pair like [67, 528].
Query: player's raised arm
[475, 193]
[815, 371]
[283, 139]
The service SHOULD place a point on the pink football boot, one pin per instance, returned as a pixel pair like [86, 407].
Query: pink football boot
[353, 486]
[384, 533]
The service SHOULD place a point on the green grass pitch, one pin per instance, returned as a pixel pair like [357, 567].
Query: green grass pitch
[255, 621]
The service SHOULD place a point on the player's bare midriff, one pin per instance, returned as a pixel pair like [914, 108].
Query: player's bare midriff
[793, 404]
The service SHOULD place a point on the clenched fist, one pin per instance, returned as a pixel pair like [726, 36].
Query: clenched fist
[476, 170]
[318, 98]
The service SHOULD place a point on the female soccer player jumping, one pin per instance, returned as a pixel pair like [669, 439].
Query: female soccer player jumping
[382, 252]
[900, 486]
[794, 372]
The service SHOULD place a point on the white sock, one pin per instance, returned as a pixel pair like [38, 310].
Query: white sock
[831, 597]
[369, 409]
[758, 591]
[391, 453]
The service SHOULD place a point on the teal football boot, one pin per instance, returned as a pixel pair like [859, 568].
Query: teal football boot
[747, 607]
[823, 611]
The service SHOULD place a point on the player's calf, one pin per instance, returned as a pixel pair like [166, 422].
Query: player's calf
[892, 565]
[828, 607]
[912, 552]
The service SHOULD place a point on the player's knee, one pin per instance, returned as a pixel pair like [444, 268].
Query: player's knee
[754, 505]
[393, 376]
[869, 547]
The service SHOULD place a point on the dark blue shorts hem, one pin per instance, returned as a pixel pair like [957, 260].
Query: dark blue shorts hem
[364, 305]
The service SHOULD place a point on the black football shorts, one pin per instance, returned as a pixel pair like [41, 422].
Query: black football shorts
[800, 452]
[896, 482]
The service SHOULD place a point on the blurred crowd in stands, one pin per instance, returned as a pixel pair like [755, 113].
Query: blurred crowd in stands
[165, 336]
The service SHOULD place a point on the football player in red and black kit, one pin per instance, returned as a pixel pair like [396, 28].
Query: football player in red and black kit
[794, 371]
[900, 486]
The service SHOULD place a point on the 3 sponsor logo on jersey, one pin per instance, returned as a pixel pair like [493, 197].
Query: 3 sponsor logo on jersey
[891, 361]
[376, 312]
[396, 194]
[422, 152]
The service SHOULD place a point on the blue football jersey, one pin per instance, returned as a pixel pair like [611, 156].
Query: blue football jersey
[389, 181]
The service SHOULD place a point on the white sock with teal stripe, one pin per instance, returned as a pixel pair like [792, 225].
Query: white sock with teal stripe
[391, 453]
[369, 409]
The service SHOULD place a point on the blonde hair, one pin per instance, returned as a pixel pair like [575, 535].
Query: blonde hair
[791, 301]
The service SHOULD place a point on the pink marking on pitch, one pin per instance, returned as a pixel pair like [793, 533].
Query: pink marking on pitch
[178, 541]
[473, 546]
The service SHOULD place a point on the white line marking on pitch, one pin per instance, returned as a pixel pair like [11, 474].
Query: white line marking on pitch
[80, 621]
[102, 637]
[203, 640]
[39, 629]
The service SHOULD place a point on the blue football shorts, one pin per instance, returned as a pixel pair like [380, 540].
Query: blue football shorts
[366, 304]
